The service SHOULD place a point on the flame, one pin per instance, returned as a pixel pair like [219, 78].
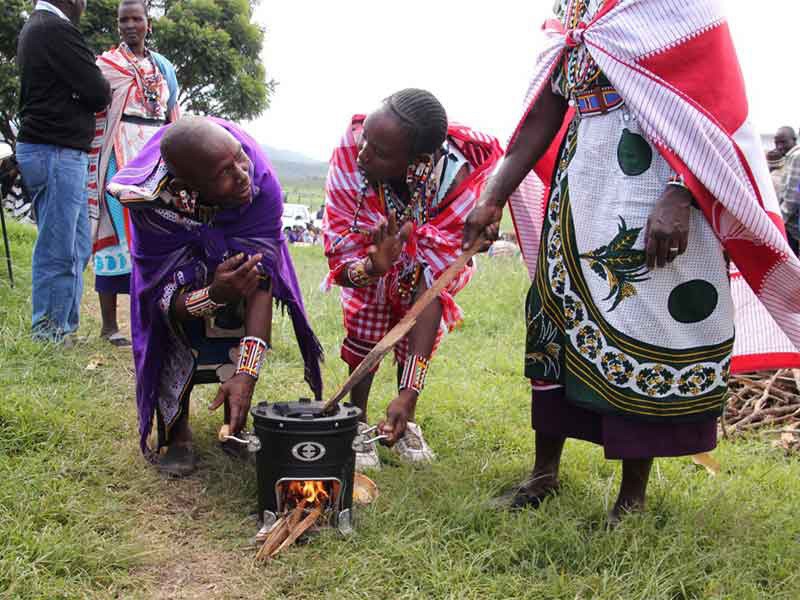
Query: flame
[312, 492]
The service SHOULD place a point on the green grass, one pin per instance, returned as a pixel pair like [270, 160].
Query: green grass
[307, 191]
[82, 515]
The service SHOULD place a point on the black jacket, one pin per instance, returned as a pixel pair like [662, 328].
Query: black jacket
[60, 85]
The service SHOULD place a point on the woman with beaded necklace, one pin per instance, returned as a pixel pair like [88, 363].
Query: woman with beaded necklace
[398, 189]
[145, 91]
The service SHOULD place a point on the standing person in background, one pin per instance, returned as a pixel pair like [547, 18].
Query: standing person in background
[787, 179]
[61, 89]
[144, 97]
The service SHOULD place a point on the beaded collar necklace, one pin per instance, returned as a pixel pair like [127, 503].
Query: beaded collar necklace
[151, 84]
[579, 67]
[422, 178]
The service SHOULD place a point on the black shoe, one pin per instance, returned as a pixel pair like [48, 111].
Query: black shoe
[177, 461]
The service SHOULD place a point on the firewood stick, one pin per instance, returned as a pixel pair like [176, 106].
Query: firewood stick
[732, 419]
[299, 530]
[399, 331]
[765, 422]
[276, 536]
[280, 530]
[297, 513]
[762, 400]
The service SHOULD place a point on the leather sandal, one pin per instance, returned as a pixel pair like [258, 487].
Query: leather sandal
[177, 461]
[531, 493]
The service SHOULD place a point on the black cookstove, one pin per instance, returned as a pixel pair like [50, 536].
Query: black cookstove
[299, 446]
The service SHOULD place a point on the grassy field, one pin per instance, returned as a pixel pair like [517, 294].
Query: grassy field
[309, 192]
[82, 515]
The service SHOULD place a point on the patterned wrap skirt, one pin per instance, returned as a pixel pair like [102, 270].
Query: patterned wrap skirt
[623, 341]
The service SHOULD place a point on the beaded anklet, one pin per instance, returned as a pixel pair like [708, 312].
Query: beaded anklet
[200, 304]
[252, 351]
[414, 372]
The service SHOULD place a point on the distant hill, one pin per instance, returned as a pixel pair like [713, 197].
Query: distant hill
[295, 167]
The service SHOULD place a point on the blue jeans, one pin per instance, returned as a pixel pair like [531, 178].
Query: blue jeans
[56, 179]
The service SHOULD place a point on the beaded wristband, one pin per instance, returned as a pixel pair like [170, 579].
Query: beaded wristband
[414, 372]
[678, 181]
[252, 351]
[357, 273]
[200, 304]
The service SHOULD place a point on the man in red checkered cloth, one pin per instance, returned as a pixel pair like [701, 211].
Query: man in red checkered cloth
[399, 187]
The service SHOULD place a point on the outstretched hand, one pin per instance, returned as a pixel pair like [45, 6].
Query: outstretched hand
[235, 278]
[482, 221]
[387, 244]
[238, 393]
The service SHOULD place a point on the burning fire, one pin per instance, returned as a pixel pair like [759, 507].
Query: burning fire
[311, 493]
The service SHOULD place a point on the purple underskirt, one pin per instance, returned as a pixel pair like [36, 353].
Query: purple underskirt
[622, 438]
[112, 284]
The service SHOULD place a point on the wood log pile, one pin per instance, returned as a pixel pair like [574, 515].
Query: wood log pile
[767, 402]
[286, 531]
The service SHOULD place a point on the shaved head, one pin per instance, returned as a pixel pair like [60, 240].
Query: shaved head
[191, 145]
[207, 159]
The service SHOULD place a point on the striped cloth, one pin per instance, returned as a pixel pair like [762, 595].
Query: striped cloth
[674, 63]
[370, 312]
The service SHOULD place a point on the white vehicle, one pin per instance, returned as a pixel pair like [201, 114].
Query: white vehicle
[295, 214]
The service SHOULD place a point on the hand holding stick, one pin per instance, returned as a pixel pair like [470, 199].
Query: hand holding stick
[403, 327]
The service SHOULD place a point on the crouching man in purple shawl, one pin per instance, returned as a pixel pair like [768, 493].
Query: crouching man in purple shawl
[208, 259]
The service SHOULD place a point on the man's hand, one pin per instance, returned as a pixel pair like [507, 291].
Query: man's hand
[667, 234]
[387, 244]
[234, 279]
[483, 220]
[398, 414]
[238, 392]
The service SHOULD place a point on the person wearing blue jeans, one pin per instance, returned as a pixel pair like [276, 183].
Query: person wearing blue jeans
[61, 89]
[55, 177]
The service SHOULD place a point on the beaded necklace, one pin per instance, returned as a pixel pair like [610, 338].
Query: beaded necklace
[422, 179]
[151, 84]
[579, 67]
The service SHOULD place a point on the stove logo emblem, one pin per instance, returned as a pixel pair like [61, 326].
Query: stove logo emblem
[308, 451]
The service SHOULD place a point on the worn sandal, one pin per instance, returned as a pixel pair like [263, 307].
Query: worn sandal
[177, 461]
[118, 340]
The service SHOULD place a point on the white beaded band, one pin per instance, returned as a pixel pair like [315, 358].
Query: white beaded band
[252, 351]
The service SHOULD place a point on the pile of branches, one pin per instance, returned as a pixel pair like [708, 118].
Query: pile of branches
[767, 402]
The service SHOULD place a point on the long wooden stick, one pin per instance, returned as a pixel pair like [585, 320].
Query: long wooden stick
[401, 329]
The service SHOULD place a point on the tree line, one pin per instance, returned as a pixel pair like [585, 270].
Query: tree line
[214, 45]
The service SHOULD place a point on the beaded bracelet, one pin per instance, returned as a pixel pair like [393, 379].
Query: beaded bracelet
[252, 351]
[200, 304]
[414, 372]
[357, 273]
[678, 181]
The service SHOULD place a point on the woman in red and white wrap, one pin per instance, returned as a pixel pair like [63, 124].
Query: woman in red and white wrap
[658, 224]
[399, 187]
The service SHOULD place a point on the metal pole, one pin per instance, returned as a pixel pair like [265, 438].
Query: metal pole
[8, 249]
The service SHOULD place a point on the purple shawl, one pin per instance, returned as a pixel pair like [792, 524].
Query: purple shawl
[168, 254]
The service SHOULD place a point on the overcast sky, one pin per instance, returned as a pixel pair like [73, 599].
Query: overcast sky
[333, 59]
